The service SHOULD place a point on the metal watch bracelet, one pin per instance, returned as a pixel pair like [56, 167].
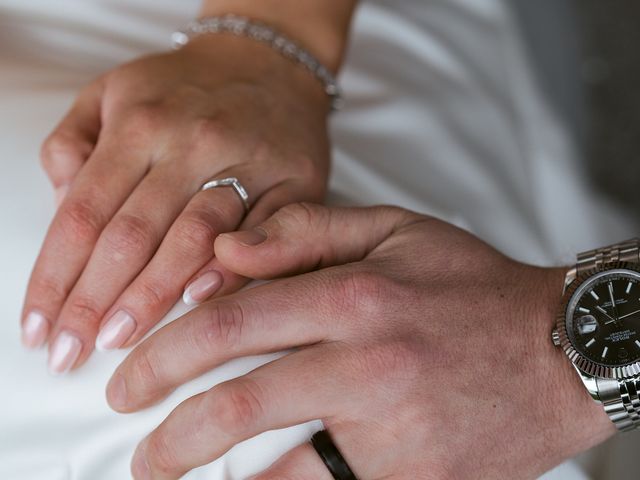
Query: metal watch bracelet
[620, 398]
[243, 26]
[628, 251]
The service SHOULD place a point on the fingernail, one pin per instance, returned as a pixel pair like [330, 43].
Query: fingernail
[64, 353]
[139, 465]
[116, 331]
[202, 288]
[35, 330]
[117, 392]
[60, 193]
[249, 238]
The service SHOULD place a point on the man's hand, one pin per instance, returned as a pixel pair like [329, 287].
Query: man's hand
[425, 352]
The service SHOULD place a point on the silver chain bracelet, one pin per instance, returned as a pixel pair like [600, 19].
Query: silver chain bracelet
[243, 26]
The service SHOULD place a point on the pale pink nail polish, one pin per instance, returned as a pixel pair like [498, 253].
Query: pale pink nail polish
[116, 331]
[202, 288]
[60, 193]
[64, 353]
[35, 330]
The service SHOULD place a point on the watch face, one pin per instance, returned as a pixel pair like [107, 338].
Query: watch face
[603, 318]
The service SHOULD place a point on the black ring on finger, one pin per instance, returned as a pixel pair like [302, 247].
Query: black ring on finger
[331, 456]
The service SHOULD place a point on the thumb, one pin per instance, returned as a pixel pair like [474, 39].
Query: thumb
[303, 237]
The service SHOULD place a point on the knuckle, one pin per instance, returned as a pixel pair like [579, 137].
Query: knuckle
[150, 294]
[161, 455]
[49, 290]
[266, 153]
[196, 232]
[144, 118]
[224, 326]
[80, 221]
[399, 215]
[145, 370]
[210, 131]
[56, 148]
[309, 170]
[84, 308]
[364, 293]
[303, 216]
[129, 235]
[237, 408]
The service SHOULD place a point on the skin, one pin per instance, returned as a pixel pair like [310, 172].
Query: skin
[131, 232]
[127, 162]
[425, 352]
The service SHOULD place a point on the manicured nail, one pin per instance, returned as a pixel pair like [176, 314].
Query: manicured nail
[35, 330]
[249, 238]
[64, 353]
[117, 392]
[60, 193]
[139, 465]
[116, 331]
[202, 288]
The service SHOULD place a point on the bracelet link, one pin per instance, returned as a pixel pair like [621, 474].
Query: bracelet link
[243, 26]
[621, 401]
[620, 397]
[628, 251]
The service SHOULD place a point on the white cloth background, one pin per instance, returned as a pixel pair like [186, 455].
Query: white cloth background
[443, 117]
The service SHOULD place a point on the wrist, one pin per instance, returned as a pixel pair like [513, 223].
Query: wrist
[249, 62]
[574, 421]
[320, 27]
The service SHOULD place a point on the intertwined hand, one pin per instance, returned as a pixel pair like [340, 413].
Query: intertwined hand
[425, 352]
[129, 159]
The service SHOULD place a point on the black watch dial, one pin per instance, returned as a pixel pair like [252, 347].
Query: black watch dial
[603, 318]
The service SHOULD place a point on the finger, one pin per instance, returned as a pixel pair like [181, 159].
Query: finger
[125, 246]
[98, 191]
[187, 246]
[214, 279]
[204, 427]
[268, 318]
[303, 237]
[206, 282]
[301, 463]
[68, 147]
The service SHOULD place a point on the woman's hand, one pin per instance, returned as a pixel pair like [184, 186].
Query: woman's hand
[425, 352]
[129, 159]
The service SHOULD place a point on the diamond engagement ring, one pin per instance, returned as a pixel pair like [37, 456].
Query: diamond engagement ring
[229, 182]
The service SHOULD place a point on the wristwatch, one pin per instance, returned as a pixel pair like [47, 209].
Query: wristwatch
[598, 327]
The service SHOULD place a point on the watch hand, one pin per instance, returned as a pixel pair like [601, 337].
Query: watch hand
[604, 312]
[613, 301]
[628, 314]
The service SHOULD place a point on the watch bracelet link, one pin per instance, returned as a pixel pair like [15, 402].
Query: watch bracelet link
[620, 397]
[621, 401]
[628, 251]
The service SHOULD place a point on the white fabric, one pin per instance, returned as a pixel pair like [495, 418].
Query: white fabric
[443, 117]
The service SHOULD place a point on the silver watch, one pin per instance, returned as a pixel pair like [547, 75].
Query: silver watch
[598, 327]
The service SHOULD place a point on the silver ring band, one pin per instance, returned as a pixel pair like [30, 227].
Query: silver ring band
[229, 182]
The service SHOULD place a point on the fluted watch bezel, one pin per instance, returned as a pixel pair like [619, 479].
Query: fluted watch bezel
[578, 359]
